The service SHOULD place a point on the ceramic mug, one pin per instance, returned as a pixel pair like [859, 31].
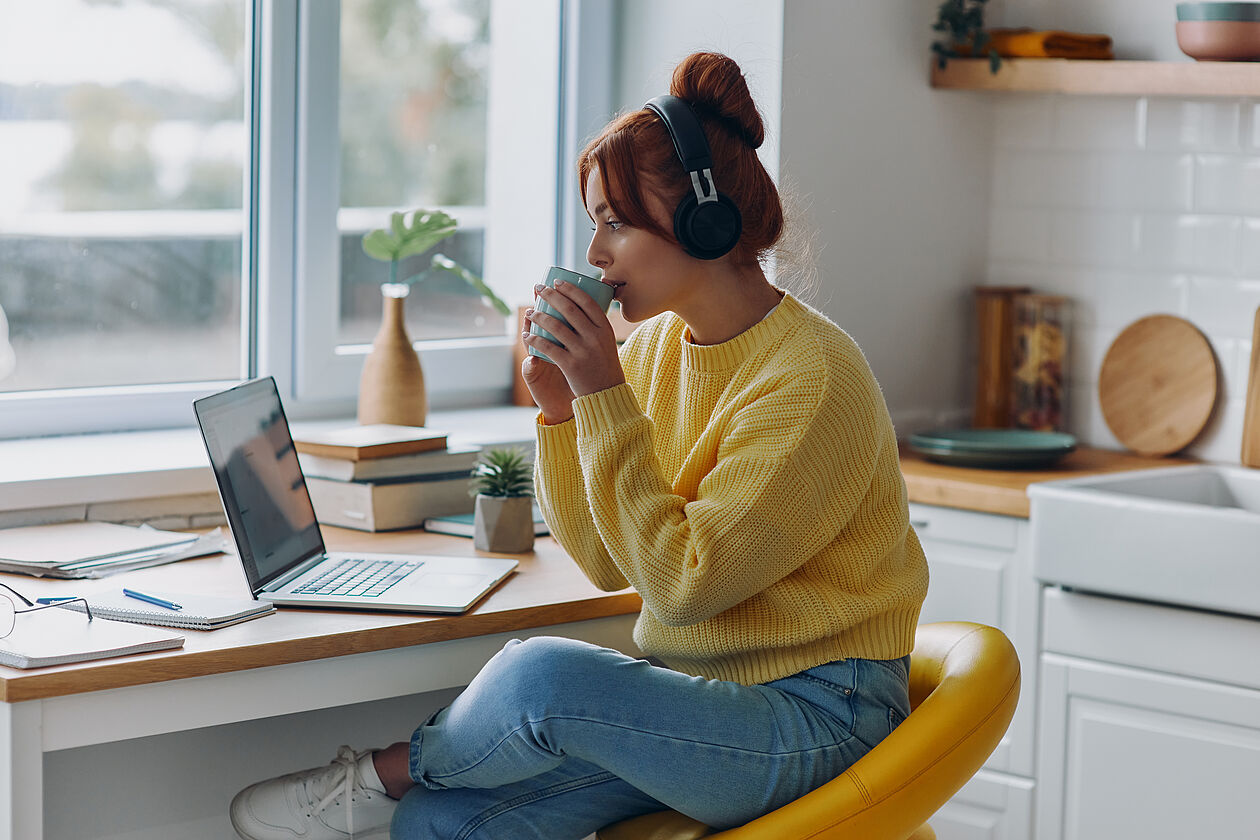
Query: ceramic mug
[600, 291]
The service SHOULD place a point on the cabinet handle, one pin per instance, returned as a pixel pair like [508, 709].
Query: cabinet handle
[920, 524]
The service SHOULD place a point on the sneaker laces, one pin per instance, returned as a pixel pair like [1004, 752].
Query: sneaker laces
[342, 778]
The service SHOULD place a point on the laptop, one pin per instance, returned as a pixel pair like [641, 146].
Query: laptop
[273, 523]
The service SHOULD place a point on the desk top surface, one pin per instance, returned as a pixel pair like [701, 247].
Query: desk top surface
[547, 588]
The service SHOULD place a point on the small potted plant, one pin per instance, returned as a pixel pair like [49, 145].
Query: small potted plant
[962, 22]
[391, 387]
[503, 521]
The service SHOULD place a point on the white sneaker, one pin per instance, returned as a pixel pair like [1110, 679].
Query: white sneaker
[342, 800]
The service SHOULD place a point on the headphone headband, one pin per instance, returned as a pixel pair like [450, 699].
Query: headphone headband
[707, 224]
[685, 130]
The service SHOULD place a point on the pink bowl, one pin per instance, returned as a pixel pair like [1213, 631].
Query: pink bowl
[1220, 40]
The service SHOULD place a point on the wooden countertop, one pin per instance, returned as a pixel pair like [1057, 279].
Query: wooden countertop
[547, 588]
[1006, 491]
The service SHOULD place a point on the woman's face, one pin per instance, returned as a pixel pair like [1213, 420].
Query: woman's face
[648, 272]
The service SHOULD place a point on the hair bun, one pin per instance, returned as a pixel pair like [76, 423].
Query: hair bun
[714, 86]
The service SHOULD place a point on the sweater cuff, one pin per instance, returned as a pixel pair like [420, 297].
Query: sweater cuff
[603, 410]
[556, 441]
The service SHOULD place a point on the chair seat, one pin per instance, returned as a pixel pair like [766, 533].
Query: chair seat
[964, 686]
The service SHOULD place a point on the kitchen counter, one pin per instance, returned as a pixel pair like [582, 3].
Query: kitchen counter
[1006, 491]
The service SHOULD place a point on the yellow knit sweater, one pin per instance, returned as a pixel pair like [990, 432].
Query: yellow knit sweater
[750, 491]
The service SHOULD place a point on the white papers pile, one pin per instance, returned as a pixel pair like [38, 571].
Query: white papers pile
[85, 549]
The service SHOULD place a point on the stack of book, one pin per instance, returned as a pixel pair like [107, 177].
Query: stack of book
[382, 477]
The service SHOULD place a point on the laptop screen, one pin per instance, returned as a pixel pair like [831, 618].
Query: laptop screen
[260, 482]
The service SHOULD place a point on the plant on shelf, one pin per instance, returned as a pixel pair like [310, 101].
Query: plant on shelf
[391, 388]
[962, 21]
[503, 519]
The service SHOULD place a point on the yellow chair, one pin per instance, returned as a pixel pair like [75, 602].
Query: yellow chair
[964, 684]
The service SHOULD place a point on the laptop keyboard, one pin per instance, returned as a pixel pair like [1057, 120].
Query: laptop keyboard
[364, 578]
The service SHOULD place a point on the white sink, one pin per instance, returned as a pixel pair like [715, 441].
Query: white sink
[1185, 535]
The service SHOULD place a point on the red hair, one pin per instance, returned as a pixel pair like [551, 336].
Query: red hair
[635, 157]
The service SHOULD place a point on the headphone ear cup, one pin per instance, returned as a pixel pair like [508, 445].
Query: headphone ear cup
[709, 230]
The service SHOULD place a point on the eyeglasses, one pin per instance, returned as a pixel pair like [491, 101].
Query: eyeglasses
[9, 611]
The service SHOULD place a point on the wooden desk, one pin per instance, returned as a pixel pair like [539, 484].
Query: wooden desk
[292, 661]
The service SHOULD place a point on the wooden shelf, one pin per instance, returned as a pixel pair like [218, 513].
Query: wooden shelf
[1124, 78]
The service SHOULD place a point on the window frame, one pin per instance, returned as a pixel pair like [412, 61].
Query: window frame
[290, 261]
[458, 372]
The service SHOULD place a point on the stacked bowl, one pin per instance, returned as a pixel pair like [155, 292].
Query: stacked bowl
[1219, 31]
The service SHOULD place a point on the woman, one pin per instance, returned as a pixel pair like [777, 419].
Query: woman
[735, 464]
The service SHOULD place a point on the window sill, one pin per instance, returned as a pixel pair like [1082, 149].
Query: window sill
[65, 475]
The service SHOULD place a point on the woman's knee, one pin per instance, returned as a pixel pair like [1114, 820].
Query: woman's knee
[544, 665]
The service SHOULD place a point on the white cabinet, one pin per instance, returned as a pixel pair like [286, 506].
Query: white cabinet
[980, 571]
[992, 806]
[1145, 730]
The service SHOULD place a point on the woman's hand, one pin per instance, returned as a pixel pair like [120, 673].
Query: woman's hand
[588, 360]
[549, 388]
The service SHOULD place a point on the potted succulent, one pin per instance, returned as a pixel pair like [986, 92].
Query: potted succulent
[962, 22]
[391, 387]
[503, 519]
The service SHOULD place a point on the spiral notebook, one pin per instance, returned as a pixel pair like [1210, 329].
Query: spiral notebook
[59, 637]
[199, 612]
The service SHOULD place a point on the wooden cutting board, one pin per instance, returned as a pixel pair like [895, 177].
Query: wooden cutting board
[1251, 419]
[1157, 385]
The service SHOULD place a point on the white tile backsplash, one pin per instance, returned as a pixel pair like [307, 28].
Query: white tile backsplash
[1090, 238]
[1131, 207]
[1249, 248]
[1025, 123]
[1228, 184]
[1092, 123]
[1223, 307]
[1160, 181]
[1204, 125]
[1020, 235]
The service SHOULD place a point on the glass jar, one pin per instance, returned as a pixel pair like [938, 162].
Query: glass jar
[994, 319]
[1039, 358]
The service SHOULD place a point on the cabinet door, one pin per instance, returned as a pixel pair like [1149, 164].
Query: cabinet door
[991, 806]
[1132, 753]
[980, 571]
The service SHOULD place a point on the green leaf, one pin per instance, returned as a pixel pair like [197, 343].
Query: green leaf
[503, 472]
[378, 245]
[403, 239]
[445, 263]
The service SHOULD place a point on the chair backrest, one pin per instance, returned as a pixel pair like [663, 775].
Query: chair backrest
[964, 685]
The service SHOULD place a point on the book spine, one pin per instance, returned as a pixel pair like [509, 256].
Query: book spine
[402, 467]
[367, 506]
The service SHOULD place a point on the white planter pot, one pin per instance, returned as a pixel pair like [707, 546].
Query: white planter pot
[504, 524]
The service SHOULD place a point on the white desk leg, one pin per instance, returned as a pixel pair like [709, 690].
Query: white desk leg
[21, 771]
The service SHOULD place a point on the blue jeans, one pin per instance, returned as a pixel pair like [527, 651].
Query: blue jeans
[555, 739]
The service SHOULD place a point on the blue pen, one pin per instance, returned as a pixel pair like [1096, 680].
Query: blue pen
[57, 600]
[152, 599]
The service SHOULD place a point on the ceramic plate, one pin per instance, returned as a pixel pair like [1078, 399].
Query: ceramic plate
[994, 448]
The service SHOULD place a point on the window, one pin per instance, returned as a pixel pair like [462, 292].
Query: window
[414, 84]
[186, 184]
[122, 191]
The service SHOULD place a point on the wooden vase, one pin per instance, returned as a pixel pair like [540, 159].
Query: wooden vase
[391, 388]
[503, 523]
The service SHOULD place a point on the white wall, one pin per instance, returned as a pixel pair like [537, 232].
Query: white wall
[896, 181]
[893, 181]
[654, 35]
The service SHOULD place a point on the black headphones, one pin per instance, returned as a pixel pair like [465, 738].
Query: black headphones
[706, 223]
